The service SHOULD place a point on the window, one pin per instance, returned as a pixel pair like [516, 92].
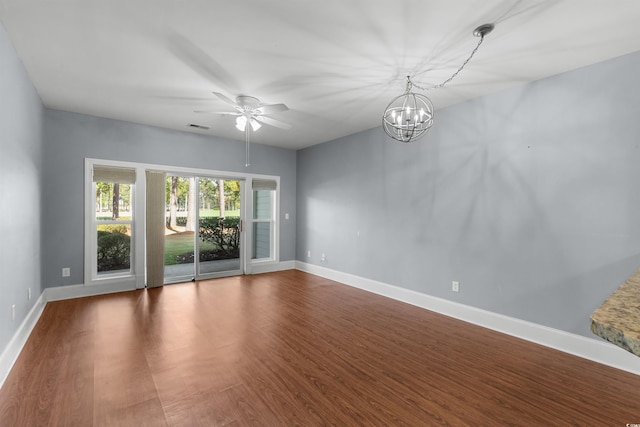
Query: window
[122, 212]
[112, 223]
[264, 220]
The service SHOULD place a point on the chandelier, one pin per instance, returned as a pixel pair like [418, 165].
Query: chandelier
[409, 116]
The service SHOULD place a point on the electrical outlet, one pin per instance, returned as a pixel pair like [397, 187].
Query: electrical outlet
[308, 254]
[29, 293]
[13, 312]
[66, 272]
[323, 258]
[455, 286]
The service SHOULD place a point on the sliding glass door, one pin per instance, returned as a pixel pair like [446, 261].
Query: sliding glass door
[203, 228]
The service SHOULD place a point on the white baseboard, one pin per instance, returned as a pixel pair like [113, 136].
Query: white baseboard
[271, 267]
[19, 339]
[587, 348]
[77, 291]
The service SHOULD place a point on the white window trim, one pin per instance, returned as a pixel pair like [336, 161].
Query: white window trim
[273, 230]
[123, 281]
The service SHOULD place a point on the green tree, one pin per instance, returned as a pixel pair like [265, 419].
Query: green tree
[232, 191]
[207, 192]
[115, 210]
[173, 200]
[103, 196]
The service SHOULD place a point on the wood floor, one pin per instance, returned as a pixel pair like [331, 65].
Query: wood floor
[289, 348]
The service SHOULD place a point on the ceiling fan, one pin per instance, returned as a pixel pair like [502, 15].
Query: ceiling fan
[249, 110]
[250, 114]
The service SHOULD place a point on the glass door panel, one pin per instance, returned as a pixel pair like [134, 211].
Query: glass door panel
[219, 221]
[203, 228]
[179, 237]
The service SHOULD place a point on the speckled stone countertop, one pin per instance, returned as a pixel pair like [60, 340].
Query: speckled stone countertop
[618, 319]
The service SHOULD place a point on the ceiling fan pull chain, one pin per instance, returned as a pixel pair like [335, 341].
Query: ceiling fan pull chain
[246, 160]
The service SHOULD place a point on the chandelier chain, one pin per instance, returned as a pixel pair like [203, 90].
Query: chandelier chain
[453, 76]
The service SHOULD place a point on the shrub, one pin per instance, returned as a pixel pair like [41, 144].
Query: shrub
[208, 255]
[114, 251]
[113, 228]
[224, 233]
[180, 221]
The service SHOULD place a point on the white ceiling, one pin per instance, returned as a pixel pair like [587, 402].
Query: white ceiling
[335, 63]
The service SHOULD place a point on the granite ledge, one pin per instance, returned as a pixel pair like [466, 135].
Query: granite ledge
[617, 320]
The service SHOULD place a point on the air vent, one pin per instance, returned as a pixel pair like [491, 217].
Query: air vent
[193, 125]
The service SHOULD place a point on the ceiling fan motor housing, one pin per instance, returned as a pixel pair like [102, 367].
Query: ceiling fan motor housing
[247, 102]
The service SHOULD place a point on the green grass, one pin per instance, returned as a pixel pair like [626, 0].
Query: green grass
[180, 243]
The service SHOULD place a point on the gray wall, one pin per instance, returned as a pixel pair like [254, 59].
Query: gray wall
[20, 190]
[70, 138]
[527, 197]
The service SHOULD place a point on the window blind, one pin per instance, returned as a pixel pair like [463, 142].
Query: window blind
[155, 228]
[114, 174]
[264, 184]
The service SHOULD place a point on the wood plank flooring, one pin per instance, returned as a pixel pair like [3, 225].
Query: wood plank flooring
[289, 348]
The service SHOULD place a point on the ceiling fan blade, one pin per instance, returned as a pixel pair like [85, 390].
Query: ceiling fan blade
[226, 99]
[219, 113]
[201, 62]
[189, 99]
[273, 122]
[271, 108]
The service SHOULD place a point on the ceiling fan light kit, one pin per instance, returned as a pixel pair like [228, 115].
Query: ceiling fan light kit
[241, 123]
[409, 117]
